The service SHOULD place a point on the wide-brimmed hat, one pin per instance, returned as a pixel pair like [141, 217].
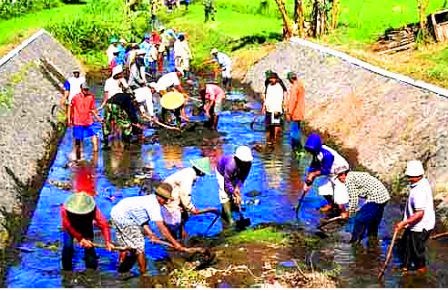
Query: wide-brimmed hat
[214, 50]
[117, 70]
[414, 168]
[79, 203]
[202, 164]
[164, 190]
[244, 154]
[172, 100]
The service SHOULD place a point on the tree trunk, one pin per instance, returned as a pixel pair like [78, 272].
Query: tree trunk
[286, 24]
[299, 18]
[335, 14]
[319, 17]
[422, 5]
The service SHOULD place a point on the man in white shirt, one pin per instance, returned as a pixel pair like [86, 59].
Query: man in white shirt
[131, 217]
[72, 86]
[419, 218]
[273, 108]
[112, 47]
[114, 85]
[182, 54]
[177, 210]
[225, 63]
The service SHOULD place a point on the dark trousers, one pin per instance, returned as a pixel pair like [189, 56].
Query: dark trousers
[90, 257]
[412, 248]
[367, 219]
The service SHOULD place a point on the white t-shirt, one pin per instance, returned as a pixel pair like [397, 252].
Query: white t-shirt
[338, 161]
[112, 86]
[75, 86]
[274, 98]
[182, 183]
[223, 60]
[420, 198]
[137, 210]
[168, 80]
[110, 52]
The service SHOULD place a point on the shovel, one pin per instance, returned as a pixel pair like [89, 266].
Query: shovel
[325, 222]
[243, 222]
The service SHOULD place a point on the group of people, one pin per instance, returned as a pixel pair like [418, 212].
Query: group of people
[167, 205]
[128, 98]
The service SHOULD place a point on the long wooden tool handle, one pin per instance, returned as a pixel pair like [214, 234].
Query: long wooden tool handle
[332, 220]
[114, 248]
[389, 255]
[438, 236]
[300, 202]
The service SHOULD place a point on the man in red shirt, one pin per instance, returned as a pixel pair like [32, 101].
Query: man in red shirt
[82, 107]
[77, 214]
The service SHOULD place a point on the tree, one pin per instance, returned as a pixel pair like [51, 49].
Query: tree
[422, 5]
[287, 29]
[299, 17]
[334, 14]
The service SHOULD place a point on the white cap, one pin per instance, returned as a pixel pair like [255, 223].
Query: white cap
[414, 168]
[340, 169]
[214, 50]
[116, 70]
[244, 154]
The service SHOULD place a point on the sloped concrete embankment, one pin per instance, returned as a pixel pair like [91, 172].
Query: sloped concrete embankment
[28, 136]
[385, 120]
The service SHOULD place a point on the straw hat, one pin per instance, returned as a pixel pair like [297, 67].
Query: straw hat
[203, 164]
[172, 100]
[79, 203]
[164, 190]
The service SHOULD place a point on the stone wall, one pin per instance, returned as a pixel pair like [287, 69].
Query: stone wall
[385, 120]
[25, 126]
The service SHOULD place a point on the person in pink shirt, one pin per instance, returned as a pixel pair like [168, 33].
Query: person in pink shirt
[80, 116]
[213, 97]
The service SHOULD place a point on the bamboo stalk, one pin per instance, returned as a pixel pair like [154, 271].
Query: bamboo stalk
[389, 255]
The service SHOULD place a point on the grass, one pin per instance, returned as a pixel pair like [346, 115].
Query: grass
[15, 30]
[264, 235]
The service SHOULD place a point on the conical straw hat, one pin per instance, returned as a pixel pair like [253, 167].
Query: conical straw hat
[79, 203]
[172, 100]
[203, 164]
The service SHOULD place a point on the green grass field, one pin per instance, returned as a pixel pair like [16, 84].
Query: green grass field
[14, 30]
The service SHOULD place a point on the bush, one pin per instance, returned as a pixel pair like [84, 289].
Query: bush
[88, 35]
[10, 9]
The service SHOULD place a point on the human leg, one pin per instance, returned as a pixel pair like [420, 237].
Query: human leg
[372, 228]
[90, 258]
[226, 208]
[67, 251]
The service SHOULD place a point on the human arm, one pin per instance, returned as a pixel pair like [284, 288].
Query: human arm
[150, 234]
[105, 98]
[66, 225]
[166, 233]
[412, 220]
[185, 196]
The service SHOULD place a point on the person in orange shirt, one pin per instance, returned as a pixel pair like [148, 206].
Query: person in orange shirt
[295, 110]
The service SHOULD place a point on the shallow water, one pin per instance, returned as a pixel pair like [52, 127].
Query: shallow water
[274, 174]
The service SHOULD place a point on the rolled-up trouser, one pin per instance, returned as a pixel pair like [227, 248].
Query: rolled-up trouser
[223, 195]
[130, 236]
[295, 134]
[413, 246]
[367, 218]
[331, 186]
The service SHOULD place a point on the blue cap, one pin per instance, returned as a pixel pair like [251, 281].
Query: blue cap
[314, 143]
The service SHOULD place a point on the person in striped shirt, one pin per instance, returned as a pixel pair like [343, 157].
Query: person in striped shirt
[368, 217]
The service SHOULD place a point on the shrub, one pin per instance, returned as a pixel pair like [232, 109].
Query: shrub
[10, 9]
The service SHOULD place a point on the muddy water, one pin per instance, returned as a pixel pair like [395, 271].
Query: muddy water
[275, 175]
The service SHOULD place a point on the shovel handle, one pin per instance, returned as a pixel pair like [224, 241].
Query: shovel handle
[389, 255]
[438, 236]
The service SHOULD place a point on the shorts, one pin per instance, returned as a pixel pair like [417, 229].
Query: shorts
[81, 132]
[130, 236]
[275, 120]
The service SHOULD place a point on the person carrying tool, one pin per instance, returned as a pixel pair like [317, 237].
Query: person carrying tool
[213, 96]
[177, 210]
[78, 213]
[419, 219]
[131, 217]
[368, 217]
[172, 82]
[231, 172]
[325, 161]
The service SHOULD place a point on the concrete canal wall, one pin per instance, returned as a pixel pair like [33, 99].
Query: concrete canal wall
[387, 118]
[26, 125]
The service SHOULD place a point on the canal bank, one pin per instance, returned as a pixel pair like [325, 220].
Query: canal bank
[29, 129]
